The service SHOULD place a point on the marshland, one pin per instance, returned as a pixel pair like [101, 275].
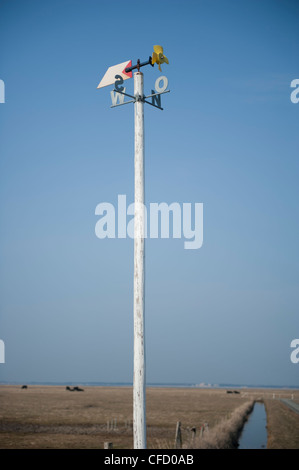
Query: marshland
[53, 417]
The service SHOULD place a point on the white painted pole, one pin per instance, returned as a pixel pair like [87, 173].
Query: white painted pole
[139, 389]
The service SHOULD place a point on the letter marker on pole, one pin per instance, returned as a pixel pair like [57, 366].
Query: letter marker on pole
[115, 75]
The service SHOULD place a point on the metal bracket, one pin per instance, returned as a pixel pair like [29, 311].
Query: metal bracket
[122, 93]
[149, 62]
[121, 104]
[158, 93]
[155, 106]
[139, 98]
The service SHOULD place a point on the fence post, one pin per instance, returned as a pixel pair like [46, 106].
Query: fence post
[108, 445]
[178, 436]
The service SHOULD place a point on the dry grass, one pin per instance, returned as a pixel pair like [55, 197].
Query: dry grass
[51, 417]
[282, 425]
[224, 435]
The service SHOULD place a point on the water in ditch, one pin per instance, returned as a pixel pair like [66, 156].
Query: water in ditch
[254, 434]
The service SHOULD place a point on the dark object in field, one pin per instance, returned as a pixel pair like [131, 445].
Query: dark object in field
[236, 391]
[24, 386]
[230, 391]
[74, 389]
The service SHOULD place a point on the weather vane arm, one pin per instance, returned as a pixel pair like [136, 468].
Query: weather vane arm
[138, 65]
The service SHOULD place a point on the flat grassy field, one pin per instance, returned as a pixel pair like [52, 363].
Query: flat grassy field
[283, 425]
[54, 418]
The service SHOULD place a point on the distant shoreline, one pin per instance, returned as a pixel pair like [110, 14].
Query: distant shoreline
[157, 385]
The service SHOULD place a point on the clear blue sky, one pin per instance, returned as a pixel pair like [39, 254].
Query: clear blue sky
[228, 137]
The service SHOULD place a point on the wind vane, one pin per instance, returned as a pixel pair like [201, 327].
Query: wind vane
[120, 72]
[117, 75]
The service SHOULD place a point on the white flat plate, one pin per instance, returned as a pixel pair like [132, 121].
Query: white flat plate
[119, 69]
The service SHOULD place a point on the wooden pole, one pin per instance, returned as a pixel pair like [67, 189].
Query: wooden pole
[178, 436]
[139, 406]
[108, 445]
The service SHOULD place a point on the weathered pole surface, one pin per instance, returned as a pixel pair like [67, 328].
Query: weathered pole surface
[139, 389]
